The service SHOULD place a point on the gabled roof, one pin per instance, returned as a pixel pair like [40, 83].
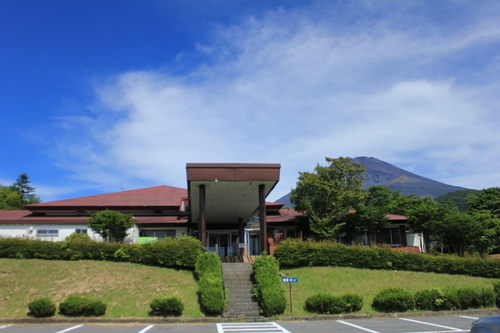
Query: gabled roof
[153, 197]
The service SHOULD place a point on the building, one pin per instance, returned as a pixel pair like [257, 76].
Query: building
[224, 206]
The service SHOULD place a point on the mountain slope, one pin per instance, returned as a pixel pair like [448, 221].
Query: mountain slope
[382, 173]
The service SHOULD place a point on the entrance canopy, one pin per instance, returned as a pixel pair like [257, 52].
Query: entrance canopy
[230, 190]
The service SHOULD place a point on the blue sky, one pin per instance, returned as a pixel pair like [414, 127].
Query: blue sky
[98, 96]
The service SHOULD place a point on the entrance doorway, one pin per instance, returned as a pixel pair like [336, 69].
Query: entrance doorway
[222, 243]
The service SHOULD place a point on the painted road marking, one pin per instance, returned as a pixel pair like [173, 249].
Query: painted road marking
[269, 327]
[70, 328]
[146, 329]
[467, 317]
[357, 326]
[431, 324]
[5, 326]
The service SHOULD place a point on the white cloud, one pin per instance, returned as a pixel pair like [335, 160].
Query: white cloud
[292, 88]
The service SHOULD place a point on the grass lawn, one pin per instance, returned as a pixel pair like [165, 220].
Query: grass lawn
[126, 288]
[365, 282]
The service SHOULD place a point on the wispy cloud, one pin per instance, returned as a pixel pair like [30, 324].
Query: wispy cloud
[295, 86]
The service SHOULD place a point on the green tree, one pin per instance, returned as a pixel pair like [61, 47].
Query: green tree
[111, 225]
[328, 194]
[486, 200]
[19, 194]
[370, 216]
[425, 217]
[10, 198]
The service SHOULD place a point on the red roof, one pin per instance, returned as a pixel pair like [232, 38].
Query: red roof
[158, 196]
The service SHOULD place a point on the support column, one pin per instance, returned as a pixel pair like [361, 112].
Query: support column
[241, 237]
[262, 220]
[202, 234]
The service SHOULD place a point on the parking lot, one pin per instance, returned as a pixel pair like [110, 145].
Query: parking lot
[452, 324]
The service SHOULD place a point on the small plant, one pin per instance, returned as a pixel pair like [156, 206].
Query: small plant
[393, 300]
[353, 302]
[167, 306]
[42, 307]
[76, 305]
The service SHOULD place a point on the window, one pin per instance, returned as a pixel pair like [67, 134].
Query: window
[81, 231]
[158, 233]
[47, 232]
[392, 236]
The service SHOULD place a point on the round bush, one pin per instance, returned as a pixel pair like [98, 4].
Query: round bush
[432, 300]
[42, 307]
[76, 305]
[325, 303]
[167, 306]
[393, 300]
[353, 302]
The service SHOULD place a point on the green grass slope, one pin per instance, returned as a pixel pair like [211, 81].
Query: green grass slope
[365, 282]
[126, 288]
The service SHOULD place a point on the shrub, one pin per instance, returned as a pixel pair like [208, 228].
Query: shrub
[432, 300]
[474, 298]
[393, 300]
[167, 306]
[211, 283]
[268, 288]
[76, 305]
[496, 291]
[78, 236]
[296, 253]
[327, 303]
[324, 303]
[42, 307]
[353, 302]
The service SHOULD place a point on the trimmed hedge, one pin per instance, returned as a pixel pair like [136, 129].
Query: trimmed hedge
[211, 293]
[393, 300]
[167, 306]
[268, 287]
[181, 252]
[331, 304]
[42, 307]
[293, 253]
[76, 305]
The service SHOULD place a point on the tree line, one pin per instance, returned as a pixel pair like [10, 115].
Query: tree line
[336, 206]
[19, 194]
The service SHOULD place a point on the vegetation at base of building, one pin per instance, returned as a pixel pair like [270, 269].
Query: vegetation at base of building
[325, 303]
[111, 225]
[297, 253]
[393, 300]
[267, 286]
[19, 194]
[181, 252]
[42, 307]
[171, 306]
[76, 305]
[208, 271]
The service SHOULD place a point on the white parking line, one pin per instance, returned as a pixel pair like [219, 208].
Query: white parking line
[146, 329]
[358, 327]
[467, 317]
[70, 328]
[5, 326]
[431, 324]
[269, 327]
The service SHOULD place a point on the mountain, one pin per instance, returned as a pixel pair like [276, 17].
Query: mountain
[382, 173]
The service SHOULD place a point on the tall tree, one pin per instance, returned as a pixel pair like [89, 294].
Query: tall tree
[19, 194]
[487, 199]
[328, 194]
[111, 225]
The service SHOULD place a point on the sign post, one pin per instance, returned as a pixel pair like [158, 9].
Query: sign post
[290, 281]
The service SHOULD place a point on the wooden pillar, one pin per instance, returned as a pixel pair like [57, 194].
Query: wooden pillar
[202, 234]
[262, 219]
[241, 236]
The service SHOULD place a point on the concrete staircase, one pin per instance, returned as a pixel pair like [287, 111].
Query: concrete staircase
[238, 284]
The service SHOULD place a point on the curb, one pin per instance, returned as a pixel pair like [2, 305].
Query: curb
[209, 320]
